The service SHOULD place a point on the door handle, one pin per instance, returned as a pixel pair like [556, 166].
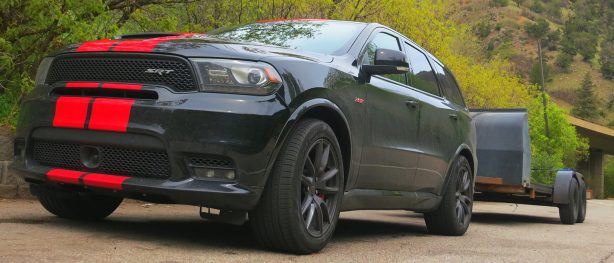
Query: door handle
[453, 116]
[412, 104]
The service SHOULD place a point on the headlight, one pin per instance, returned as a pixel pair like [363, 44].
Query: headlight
[236, 76]
[41, 72]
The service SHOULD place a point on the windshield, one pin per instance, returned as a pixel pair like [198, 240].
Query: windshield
[325, 37]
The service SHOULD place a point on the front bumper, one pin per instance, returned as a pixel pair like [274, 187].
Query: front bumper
[243, 129]
[215, 194]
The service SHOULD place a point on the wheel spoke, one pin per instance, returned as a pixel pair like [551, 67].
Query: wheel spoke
[466, 182]
[317, 156]
[320, 218]
[306, 203]
[327, 176]
[310, 215]
[458, 209]
[325, 155]
[465, 199]
[309, 167]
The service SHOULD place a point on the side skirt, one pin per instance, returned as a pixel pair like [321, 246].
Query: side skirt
[366, 199]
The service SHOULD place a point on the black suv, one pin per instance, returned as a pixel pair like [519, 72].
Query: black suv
[280, 123]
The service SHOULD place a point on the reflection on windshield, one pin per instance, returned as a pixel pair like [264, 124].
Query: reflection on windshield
[321, 37]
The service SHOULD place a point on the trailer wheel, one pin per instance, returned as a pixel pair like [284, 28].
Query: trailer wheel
[569, 212]
[582, 206]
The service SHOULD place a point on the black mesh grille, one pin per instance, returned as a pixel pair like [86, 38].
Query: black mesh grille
[118, 161]
[210, 163]
[124, 69]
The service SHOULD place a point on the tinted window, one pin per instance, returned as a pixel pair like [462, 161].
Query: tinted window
[383, 40]
[421, 75]
[316, 36]
[448, 85]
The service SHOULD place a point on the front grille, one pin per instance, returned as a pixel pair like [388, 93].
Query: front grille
[113, 68]
[115, 160]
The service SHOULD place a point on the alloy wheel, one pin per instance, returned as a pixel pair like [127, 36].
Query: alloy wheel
[320, 189]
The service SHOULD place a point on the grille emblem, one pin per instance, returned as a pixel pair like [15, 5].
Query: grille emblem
[159, 71]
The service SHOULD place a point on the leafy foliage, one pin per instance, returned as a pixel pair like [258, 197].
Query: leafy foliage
[561, 147]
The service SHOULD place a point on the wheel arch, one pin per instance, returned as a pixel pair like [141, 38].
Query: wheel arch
[328, 112]
[465, 151]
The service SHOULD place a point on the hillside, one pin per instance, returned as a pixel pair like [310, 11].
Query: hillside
[500, 26]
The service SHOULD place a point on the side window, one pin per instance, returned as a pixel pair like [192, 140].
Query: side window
[449, 86]
[421, 74]
[383, 40]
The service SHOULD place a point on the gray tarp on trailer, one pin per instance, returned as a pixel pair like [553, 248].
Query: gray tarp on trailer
[503, 145]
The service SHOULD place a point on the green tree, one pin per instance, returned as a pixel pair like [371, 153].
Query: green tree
[586, 106]
[607, 58]
[539, 29]
[561, 147]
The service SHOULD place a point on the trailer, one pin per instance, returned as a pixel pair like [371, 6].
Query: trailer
[504, 167]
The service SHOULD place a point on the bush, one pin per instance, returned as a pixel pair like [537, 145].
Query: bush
[536, 73]
[499, 3]
[563, 61]
[482, 29]
[537, 7]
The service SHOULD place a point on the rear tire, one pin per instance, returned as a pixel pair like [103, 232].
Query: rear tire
[569, 212]
[453, 216]
[81, 206]
[299, 207]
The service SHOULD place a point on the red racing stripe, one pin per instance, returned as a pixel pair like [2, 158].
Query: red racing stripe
[146, 45]
[105, 181]
[87, 85]
[122, 86]
[64, 176]
[97, 46]
[71, 112]
[110, 114]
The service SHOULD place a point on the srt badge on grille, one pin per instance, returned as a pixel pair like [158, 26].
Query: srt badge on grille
[158, 71]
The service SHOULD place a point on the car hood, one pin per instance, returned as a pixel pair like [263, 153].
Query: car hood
[193, 45]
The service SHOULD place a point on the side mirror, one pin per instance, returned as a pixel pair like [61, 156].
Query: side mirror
[387, 61]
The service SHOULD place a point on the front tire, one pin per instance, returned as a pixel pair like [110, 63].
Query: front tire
[80, 206]
[299, 208]
[453, 216]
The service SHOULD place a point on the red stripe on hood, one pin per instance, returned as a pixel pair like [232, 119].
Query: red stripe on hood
[71, 112]
[64, 176]
[87, 85]
[97, 45]
[105, 181]
[122, 86]
[144, 45]
[110, 114]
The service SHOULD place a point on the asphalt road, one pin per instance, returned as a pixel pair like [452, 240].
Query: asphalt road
[138, 232]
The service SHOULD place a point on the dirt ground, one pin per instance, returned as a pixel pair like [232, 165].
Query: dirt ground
[139, 232]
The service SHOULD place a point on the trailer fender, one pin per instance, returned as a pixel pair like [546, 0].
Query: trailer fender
[560, 194]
